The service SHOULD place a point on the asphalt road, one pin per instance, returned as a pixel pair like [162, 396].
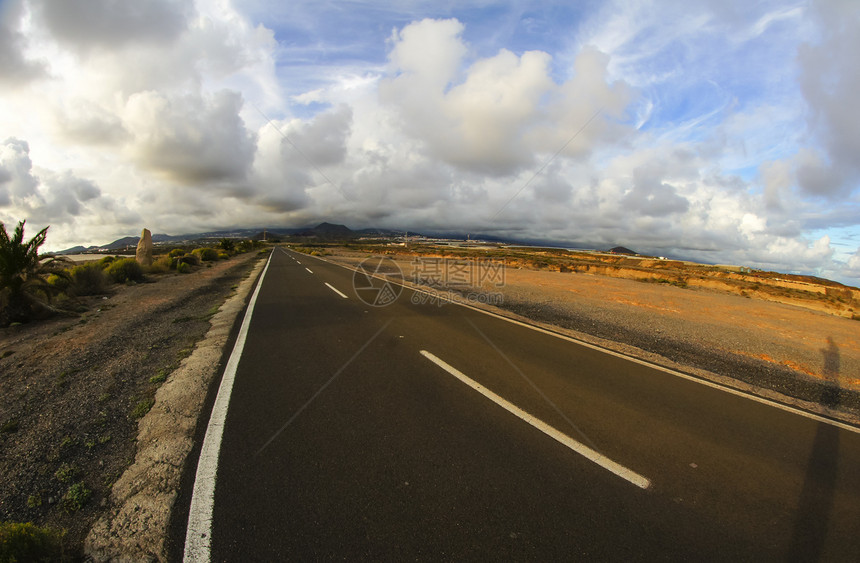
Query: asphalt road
[343, 440]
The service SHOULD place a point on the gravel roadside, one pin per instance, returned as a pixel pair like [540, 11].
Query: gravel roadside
[74, 390]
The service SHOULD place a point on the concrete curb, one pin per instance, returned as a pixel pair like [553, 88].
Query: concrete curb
[135, 528]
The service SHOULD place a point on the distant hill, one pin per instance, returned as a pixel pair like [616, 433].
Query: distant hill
[77, 250]
[622, 250]
[118, 244]
[329, 231]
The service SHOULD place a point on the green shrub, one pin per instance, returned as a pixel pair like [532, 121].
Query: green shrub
[28, 542]
[223, 256]
[206, 254]
[160, 265]
[247, 245]
[125, 270]
[141, 408]
[227, 244]
[106, 261]
[183, 268]
[59, 282]
[76, 497]
[176, 252]
[190, 259]
[66, 473]
[88, 279]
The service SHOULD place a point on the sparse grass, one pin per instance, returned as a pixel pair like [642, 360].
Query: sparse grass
[76, 497]
[6, 354]
[28, 542]
[10, 425]
[66, 473]
[141, 408]
[160, 377]
[34, 501]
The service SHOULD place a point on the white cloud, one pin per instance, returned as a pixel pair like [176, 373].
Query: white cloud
[63, 200]
[190, 140]
[492, 115]
[711, 131]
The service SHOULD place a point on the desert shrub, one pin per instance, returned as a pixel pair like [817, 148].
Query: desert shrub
[59, 282]
[190, 259]
[227, 245]
[106, 261]
[247, 245]
[183, 268]
[176, 252]
[160, 265]
[206, 254]
[88, 279]
[76, 497]
[223, 255]
[125, 270]
[28, 542]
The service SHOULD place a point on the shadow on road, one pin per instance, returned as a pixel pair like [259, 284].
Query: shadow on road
[819, 488]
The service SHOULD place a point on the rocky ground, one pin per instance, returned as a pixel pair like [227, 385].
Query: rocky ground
[74, 389]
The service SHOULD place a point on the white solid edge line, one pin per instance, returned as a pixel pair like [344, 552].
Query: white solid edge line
[333, 288]
[309, 270]
[198, 534]
[670, 371]
[583, 450]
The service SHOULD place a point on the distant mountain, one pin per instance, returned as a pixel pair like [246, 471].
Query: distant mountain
[76, 250]
[622, 250]
[328, 231]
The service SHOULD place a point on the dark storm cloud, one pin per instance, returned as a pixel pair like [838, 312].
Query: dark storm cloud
[191, 140]
[83, 24]
[830, 81]
[15, 68]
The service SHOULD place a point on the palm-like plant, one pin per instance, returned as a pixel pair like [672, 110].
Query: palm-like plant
[22, 274]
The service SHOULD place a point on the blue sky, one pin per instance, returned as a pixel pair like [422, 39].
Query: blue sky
[719, 131]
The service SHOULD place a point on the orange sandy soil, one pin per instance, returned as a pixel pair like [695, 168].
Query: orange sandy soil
[782, 334]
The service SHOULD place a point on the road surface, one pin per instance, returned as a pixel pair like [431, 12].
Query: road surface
[426, 432]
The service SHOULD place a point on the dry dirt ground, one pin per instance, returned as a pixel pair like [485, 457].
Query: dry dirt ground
[73, 390]
[795, 354]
